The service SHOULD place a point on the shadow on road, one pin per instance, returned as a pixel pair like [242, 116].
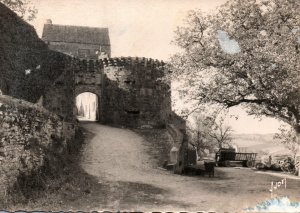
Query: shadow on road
[132, 195]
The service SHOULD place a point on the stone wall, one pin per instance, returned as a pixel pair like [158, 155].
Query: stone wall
[133, 94]
[27, 134]
[60, 97]
[129, 91]
[72, 49]
[27, 66]
[176, 128]
[90, 80]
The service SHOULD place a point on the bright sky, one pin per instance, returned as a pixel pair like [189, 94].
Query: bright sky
[137, 27]
[141, 28]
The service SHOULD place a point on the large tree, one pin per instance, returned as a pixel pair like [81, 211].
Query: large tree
[246, 53]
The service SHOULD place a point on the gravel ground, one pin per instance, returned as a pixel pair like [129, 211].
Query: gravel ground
[120, 160]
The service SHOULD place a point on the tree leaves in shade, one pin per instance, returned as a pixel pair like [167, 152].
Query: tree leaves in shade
[246, 53]
[288, 137]
[24, 8]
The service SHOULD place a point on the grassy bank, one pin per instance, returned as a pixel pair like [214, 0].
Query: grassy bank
[65, 186]
[60, 185]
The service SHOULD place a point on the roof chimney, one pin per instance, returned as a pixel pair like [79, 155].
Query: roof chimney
[48, 21]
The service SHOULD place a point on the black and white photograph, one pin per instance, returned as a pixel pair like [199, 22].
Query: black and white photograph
[149, 106]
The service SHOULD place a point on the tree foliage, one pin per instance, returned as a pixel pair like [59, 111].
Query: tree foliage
[221, 133]
[288, 137]
[209, 131]
[247, 53]
[198, 130]
[24, 8]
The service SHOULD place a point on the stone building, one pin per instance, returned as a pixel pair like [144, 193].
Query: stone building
[77, 41]
[128, 90]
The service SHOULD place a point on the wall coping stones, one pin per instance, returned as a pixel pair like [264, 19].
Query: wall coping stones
[96, 65]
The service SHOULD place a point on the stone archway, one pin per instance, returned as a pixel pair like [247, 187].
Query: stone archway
[90, 100]
[87, 106]
[128, 91]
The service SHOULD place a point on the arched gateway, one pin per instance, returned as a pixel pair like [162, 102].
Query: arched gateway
[128, 89]
[87, 108]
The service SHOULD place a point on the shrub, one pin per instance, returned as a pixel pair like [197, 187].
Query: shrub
[264, 166]
[289, 165]
[275, 167]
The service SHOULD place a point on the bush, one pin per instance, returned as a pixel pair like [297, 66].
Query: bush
[289, 165]
[260, 166]
[264, 166]
[275, 167]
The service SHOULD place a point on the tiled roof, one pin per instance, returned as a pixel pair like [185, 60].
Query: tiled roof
[76, 34]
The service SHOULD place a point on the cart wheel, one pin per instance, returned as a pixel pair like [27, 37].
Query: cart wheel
[250, 163]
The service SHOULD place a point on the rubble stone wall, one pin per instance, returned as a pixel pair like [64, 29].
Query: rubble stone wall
[133, 94]
[129, 91]
[72, 49]
[27, 134]
[60, 97]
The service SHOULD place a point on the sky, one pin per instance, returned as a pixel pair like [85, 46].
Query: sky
[140, 28]
[137, 27]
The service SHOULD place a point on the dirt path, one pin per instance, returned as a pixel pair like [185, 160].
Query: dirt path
[118, 157]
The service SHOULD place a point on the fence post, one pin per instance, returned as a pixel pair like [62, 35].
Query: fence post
[298, 164]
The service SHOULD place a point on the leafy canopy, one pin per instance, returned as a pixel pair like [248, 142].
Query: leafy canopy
[247, 53]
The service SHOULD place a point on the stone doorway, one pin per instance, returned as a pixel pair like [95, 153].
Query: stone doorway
[87, 107]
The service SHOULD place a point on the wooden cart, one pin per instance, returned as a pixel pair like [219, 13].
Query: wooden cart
[227, 157]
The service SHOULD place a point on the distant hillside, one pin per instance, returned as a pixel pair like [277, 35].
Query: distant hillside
[260, 143]
[21, 50]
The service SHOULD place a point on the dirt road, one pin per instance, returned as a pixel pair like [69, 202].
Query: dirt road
[119, 159]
